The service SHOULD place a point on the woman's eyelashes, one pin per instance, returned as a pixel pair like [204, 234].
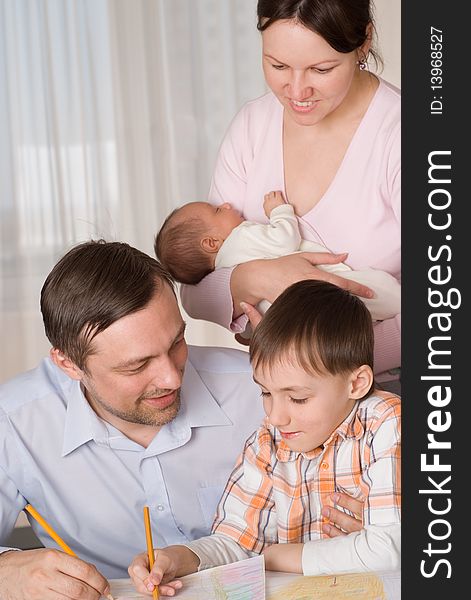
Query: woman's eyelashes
[315, 69]
[322, 71]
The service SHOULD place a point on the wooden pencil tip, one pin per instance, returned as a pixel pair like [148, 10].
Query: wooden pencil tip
[109, 596]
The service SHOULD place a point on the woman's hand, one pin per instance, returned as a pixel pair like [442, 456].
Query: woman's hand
[169, 563]
[258, 280]
[341, 523]
[254, 318]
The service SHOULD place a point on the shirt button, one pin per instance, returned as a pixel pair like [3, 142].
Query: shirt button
[160, 507]
[325, 465]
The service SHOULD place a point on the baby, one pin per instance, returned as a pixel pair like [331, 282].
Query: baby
[200, 237]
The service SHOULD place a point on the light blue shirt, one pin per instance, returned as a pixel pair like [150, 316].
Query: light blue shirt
[90, 482]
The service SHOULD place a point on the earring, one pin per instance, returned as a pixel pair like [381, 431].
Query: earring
[363, 61]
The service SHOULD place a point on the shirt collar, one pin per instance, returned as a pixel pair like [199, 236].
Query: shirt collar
[198, 409]
[82, 424]
[351, 428]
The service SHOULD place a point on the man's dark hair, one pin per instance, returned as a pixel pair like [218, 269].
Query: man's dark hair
[92, 286]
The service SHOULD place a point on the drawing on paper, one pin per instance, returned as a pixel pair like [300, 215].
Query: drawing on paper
[244, 580]
[358, 586]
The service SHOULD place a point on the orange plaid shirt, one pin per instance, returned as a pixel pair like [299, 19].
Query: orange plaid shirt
[276, 495]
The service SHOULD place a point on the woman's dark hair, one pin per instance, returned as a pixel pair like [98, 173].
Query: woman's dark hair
[92, 286]
[318, 325]
[342, 23]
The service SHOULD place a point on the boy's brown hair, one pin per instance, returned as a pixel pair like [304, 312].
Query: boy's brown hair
[319, 325]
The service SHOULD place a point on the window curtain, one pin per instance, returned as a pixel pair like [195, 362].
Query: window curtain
[111, 114]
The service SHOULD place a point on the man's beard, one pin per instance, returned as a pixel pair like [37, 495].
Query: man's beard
[141, 414]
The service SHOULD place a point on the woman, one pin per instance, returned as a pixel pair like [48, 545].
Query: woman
[328, 136]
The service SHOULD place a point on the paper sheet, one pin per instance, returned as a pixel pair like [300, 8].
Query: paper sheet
[243, 580]
[355, 586]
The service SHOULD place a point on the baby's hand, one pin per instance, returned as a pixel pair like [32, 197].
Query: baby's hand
[271, 201]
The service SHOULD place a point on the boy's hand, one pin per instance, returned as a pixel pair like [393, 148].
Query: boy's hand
[170, 562]
[284, 557]
[271, 201]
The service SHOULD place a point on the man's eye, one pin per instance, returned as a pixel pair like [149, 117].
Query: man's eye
[136, 370]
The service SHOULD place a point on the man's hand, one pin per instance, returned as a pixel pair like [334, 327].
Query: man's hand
[271, 201]
[340, 522]
[48, 574]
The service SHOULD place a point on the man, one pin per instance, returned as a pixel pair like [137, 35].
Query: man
[121, 415]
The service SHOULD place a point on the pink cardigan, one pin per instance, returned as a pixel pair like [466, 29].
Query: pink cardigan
[359, 213]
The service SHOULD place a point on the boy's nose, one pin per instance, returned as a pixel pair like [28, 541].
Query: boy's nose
[277, 416]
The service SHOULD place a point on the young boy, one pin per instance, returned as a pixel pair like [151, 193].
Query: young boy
[199, 237]
[327, 430]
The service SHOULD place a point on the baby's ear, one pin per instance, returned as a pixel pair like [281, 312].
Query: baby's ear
[361, 381]
[211, 244]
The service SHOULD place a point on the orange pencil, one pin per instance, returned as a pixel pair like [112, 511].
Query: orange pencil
[150, 548]
[60, 542]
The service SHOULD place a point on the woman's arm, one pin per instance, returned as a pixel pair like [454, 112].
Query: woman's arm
[266, 279]
[217, 298]
[376, 548]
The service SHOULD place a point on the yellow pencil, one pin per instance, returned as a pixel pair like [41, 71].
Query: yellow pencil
[60, 542]
[150, 548]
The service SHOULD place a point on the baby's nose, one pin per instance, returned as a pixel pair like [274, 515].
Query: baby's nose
[226, 205]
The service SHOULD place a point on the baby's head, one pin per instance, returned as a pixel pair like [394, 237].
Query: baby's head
[190, 238]
[312, 355]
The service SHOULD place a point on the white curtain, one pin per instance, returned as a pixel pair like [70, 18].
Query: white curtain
[111, 114]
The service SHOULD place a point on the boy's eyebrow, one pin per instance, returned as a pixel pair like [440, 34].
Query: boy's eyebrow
[285, 389]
